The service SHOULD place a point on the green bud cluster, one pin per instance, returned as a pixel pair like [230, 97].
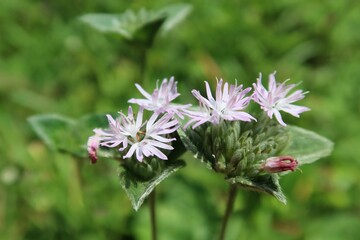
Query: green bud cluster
[237, 148]
[145, 170]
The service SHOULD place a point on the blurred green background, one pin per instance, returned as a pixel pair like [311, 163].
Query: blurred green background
[51, 63]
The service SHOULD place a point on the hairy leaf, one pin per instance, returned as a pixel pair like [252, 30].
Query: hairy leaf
[141, 26]
[307, 146]
[68, 135]
[138, 190]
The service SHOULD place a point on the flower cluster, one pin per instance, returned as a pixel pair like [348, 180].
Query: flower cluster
[135, 137]
[231, 101]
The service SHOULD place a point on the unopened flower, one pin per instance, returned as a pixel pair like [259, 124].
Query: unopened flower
[92, 147]
[279, 164]
[229, 104]
[160, 100]
[144, 138]
[276, 98]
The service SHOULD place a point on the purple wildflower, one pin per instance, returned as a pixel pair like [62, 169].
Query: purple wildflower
[160, 100]
[229, 105]
[275, 99]
[144, 138]
[279, 164]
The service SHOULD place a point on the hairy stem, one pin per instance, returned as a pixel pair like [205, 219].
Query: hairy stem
[229, 208]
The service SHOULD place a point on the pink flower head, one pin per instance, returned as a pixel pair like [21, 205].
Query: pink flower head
[147, 142]
[144, 138]
[160, 100]
[275, 99]
[229, 104]
[279, 164]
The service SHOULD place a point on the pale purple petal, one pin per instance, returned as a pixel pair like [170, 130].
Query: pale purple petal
[154, 151]
[160, 145]
[139, 118]
[143, 92]
[131, 151]
[208, 92]
[279, 118]
[139, 154]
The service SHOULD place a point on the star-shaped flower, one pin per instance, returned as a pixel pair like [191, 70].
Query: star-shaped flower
[229, 104]
[144, 138]
[277, 98]
[160, 101]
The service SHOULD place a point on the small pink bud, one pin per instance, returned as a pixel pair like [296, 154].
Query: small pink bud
[279, 164]
[92, 147]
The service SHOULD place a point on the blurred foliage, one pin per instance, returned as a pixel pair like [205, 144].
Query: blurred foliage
[52, 63]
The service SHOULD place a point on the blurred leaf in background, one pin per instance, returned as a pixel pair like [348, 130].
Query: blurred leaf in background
[51, 63]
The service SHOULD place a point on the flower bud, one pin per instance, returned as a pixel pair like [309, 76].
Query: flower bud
[92, 147]
[279, 164]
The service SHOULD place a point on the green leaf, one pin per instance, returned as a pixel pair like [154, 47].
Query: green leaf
[146, 34]
[54, 130]
[126, 24]
[68, 135]
[141, 26]
[137, 190]
[307, 146]
[175, 14]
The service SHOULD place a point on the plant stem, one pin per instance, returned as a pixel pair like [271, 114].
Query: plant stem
[229, 208]
[152, 215]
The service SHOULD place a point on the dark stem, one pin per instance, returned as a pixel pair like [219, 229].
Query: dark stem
[152, 215]
[229, 208]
